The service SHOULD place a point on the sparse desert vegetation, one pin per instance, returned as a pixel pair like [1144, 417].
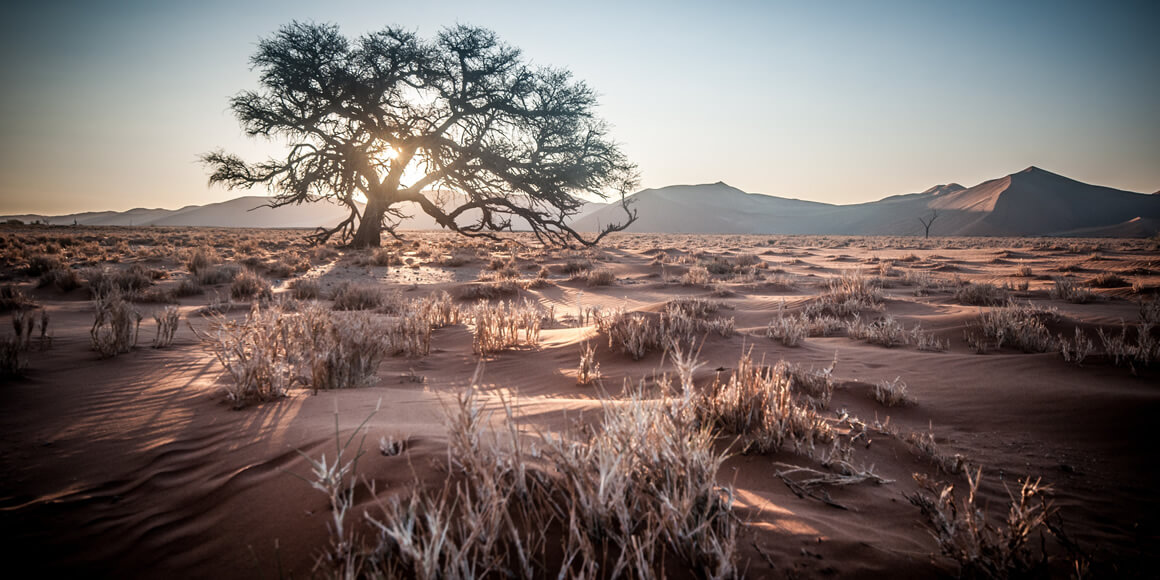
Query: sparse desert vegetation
[711, 404]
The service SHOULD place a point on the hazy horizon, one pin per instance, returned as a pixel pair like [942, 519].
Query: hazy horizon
[107, 107]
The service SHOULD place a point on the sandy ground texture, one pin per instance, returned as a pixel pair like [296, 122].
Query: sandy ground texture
[139, 465]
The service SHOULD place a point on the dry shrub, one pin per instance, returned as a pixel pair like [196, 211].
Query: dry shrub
[497, 326]
[438, 309]
[127, 282]
[920, 279]
[589, 370]
[924, 443]
[201, 259]
[847, 295]
[600, 277]
[489, 290]
[885, 331]
[788, 330]
[983, 549]
[355, 296]
[115, 325]
[618, 500]
[13, 360]
[1019, 325]
[758, 404]
[1068, 290]
[213, 275]
[305, 289]
[696, 276]
[637, 333]
[980, 294]
[1077, 350]
[1123, 350]
[575, 267]
[188, 287]
[892, 393]
[13, 297]
[1108, 280]
[64, 279]
[344, 349]
[276, 348]
[250, 285]
[166, 326]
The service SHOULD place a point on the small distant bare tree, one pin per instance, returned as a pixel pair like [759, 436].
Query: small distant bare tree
[389, 118]
[926, 222]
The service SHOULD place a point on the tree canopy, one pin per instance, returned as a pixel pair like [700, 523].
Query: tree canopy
[460, 125]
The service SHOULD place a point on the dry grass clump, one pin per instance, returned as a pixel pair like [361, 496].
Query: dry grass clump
[489, 290]
[618, 500]
[589, 370]
[788, 330]
[13, 297]
[758, 404]
[847, 295]
[214, 275]
[980, 294]
[250, 285]
[305, 289]
[920, 279]
[497, 326]
[889, 332]
[258, 353]
[187, 287]
[12, 356]
[277, 347]
[1075, 351]
[115, 325]
[13, 359]
[1019, 325]
[892, 393]
[166, 326]
[357, 296]
[885, 331]
[1149, 310]
[64, 279]
[437, 309]
[983, 549]
[924, 443]
[1108, 280]
[637, 333]
[1068, 290]
[600, 277]
[201, 259]
[696, 276]
[1139, 348]
[127, 282]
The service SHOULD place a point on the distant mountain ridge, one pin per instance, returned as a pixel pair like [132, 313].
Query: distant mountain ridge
[1031, 202]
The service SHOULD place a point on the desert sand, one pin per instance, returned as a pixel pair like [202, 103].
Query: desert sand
[139, 465]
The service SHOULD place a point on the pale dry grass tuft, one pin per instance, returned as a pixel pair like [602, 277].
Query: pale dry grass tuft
[167, 320]
[892, 393]
[983, 549]
[115, 325]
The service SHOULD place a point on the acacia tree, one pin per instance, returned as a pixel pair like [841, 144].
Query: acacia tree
[460, 125]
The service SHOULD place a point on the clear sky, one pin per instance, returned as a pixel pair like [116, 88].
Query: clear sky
[107, 104]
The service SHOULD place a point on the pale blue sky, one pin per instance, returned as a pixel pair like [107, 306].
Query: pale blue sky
[106, 105]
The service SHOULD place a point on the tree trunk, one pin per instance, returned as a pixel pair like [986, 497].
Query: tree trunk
[370, 229]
